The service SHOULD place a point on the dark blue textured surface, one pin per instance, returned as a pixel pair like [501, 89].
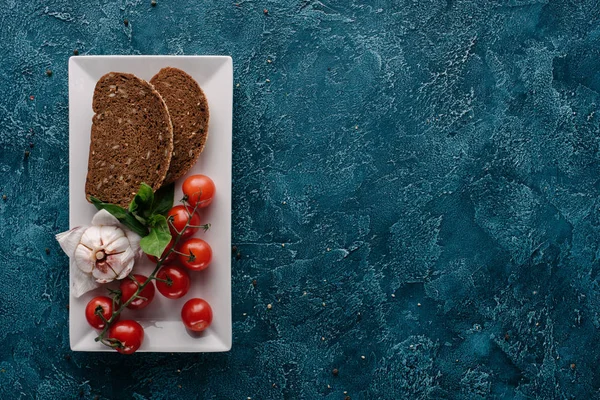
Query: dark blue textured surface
[415, 182]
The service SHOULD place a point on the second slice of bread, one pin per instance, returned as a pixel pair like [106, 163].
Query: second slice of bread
[189, 113]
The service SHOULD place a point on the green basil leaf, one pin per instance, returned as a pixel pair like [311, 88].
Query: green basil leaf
[142, 202]
[124, 216]
[132, 223]
[159, 237]
[163, 199]
[118, 211]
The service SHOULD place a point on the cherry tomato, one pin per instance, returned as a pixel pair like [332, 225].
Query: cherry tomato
[179, 282]
[196, 315]
[196, 254]
[172, 257]
[129, 287]
[129, 333]
[102, 303]
[178, 217]
[199, 189]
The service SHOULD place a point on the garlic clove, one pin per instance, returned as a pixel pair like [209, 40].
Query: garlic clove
[104, 218]
[127, 270]
[69, 240]
[119, 246]
[104, 271]
[92, 238]
[84, 258]
[119, 263]
[134, 242]
[110, 234]
[127, 261]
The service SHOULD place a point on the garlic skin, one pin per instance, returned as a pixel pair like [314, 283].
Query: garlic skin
[104, 252]
[100, 253]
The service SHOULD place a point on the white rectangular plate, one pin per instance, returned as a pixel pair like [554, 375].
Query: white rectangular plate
[164, 331]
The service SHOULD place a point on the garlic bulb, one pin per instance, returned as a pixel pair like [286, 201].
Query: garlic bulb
[102, 252]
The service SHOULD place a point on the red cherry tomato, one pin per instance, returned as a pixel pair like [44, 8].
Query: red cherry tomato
[129, 333]
[178, 216]
[196, 315]
[196, 254]
[102, 303]
[178, 282]
[199, 189]
[170, 259]
[129, 287]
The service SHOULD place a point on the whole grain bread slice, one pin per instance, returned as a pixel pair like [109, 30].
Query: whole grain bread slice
[132, 139]
[189, 113]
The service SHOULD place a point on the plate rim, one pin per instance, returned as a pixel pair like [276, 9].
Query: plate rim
[224, 341]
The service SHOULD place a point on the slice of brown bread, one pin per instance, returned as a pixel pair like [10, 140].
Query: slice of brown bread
[132, 139]
[189, 113]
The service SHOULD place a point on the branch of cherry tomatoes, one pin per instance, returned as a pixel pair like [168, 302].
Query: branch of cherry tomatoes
[172, 281]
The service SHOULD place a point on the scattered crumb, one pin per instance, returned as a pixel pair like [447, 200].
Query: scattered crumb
[49, 72]
[269, 306]
[265, 11]
[126, 22]
[75, 52]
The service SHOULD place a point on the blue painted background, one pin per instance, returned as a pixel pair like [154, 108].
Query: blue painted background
[415, 182]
